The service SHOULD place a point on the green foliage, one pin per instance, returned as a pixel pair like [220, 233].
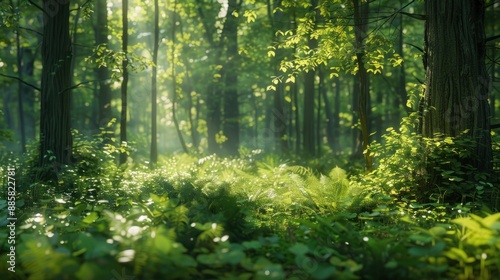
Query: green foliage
[438, 169]
[256, 217]
[5, 134]
[102, 56]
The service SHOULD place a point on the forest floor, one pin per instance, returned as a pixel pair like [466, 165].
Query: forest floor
[255, 217]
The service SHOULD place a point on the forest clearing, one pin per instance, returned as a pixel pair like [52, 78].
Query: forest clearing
[250, 139]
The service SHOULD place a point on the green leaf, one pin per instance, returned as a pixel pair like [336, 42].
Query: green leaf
[233, 257]
[252, 244]
[154, 197]
[437, 231]
[468, 223]
[491, 220]
[91, 218]
[427, 251]
[299, 249]
[184, 261]
[458, 255]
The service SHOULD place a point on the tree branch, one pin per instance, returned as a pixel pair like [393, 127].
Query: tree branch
[415, 16]
[81, 6]
[36, 5]
[416, 47]
[21, 80]
[492, 38]
[77, 85]
[32, 30]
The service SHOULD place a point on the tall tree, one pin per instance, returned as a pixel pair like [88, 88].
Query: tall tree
[401, 94]
[103, 76]
[360, 28]
[231, 106]
[332, 116]
[124, 85]
[213, 88]
[457, 81]
[55, 123]
[309, 143]
[492, 16]
[20, 85]
[153, 157]
[174, 82]
[276, 19]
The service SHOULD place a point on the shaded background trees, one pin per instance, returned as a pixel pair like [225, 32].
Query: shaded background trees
[285, 76]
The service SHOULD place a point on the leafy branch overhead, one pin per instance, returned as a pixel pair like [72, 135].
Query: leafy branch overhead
[102, 56]
[334, 30]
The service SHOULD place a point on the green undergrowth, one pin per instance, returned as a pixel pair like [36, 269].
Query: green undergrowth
[256, 217]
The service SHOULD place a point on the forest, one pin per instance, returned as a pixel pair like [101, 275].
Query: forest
[250, 139]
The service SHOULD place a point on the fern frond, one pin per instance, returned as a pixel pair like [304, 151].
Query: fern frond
[178, 217]
[209, 232]
[301, 170]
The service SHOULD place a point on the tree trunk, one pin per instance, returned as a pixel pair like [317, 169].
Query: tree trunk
[20, 85]
[308, 118]
[124, 85]
[493, 53]
[28, 92]
[103, 76]
[321, 89]
[280, 119]
[457, 82]
[333, 118]
[295, 96]
[174, 83]
[214, 89]
[309, 93]
[193, 121]
[356, 140]
[378, 116]
[401, 97]
[213, 117]
[153, 156]
[231, 125]
[360, 22]
[55, 123]
[256, 114]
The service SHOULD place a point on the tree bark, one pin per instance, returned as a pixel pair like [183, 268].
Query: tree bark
[124, 85]
[214, 88]
[174, 84]
[153, 157]
[401, 94]
[308, 118]
[309, 143]
[231, 124]
[55, 123]
[356, 139]
[493, 53]
[319, 121]
[20, 85]
[457, 82]
[295, 100]
[103, 76]
[280, 118]
[360, 22]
